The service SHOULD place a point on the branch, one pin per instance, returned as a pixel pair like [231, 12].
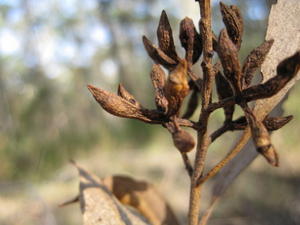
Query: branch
[203, 138]
[237, 148]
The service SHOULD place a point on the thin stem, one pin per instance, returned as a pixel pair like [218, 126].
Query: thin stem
[195, 78]
[223, 129]
[224, 102]
[237, 148]
[208, 212]
[187, 163]
[187, 123]
[203, 137]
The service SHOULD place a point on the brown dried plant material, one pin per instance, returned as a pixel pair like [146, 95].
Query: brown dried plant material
[192, 104]
[275, 123]
[177, 88]
[183, 141]
[157, 55]
[190, 40]
[233, 22]
[283, 24]
[224, 90]
[165, 37]
[262, 140]
[117, 105]
[286, 70]
[271, 123]
[122, 92]
[254, 60]
[158, 80]
[228, 55]
[143, 197]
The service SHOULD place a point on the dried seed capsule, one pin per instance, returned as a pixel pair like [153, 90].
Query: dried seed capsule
[224, 90]
[290, 66]
[262, 140]
[158, 80]
[275, 123]
[228, 55]
[190, 40]
[116, 105]
[254, 60]
[233, 22]
[157, 55]
[183, 141]
[286, 70]
[177, 88]
[192, 104]
[271, 123]
[122, 92]
[165, 37]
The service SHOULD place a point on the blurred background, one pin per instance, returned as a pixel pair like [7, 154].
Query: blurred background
[50, 50]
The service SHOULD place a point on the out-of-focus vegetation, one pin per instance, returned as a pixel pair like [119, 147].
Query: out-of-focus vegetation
[50, 50]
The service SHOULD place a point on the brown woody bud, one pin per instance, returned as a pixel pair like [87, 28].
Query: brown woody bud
[254, 60]
[177, 88]
[190, 40]
[192, 104]
[228, 55]
[116, 105]
[158, 80]
[275, 123]
[224, 90]
[286, 70]
[233, 22]
[183, 141]
[122, 92]
[165, 37]
[157, 55]
[262, 140]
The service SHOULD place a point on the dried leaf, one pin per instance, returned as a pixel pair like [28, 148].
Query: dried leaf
[158, 80]
[116, 105]
[122, 92]
[157, 55]
[100, 207]
[254, 60]
[192, 104]
[190, 40]
[233, 22]
[286, 70]
[228, 55]
[177, 88]
[143, 197]
[224, 90]
[165, 37]
[183, 141]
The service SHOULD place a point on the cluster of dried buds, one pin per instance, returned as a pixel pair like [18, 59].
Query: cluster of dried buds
[233, 84]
